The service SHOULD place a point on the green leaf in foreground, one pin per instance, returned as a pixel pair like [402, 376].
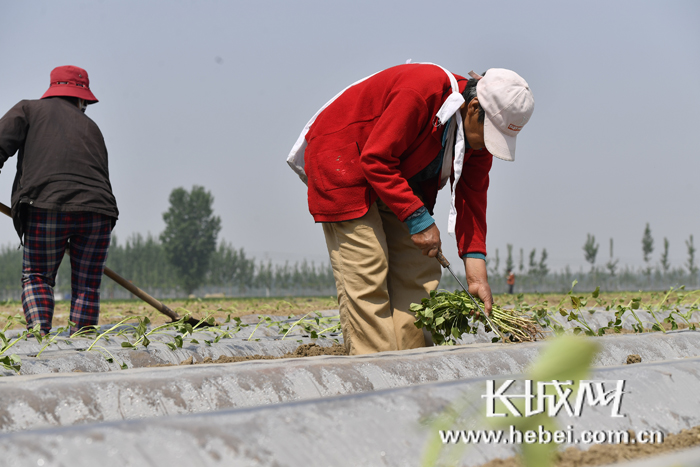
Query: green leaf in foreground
[567, 358]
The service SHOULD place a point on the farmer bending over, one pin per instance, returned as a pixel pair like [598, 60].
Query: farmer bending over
[374, 159]
[62, 198]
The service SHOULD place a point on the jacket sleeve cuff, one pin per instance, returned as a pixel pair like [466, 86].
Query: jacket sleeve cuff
[474, 255]
[419, 220]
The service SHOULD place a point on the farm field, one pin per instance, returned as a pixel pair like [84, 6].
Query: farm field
[113, 311]
[169, 383]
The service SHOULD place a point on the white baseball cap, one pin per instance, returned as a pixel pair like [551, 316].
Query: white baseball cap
[508, 103]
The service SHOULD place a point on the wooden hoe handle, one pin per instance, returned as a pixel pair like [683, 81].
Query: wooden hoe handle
[442, 260]
[141, 294]
[123, 282]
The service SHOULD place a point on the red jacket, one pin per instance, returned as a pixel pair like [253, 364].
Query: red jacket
[380, 133]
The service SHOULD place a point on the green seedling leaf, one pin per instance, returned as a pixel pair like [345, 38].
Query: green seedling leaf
[127, 345]
[11, 362]
[36, 331]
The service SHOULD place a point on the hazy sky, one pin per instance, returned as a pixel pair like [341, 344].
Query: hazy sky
[215, 93]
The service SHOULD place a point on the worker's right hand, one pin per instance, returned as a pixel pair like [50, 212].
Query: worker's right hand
[428, 241]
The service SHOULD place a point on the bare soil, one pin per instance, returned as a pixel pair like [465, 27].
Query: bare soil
[634, 358]
[112, 311]
[612, 453]
[304, 350]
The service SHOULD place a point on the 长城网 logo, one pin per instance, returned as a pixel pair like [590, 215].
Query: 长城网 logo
[553, 396]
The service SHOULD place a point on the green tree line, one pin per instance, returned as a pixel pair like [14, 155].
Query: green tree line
[533, 274]
[143, 261]
[186, 258]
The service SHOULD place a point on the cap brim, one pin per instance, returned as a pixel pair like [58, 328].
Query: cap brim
[499, 144]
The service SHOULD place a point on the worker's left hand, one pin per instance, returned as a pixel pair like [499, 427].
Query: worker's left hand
[478, 283]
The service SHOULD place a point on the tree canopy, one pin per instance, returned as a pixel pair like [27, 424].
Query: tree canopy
[189, 238]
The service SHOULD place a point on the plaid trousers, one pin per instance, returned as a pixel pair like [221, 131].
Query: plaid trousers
[47, 236]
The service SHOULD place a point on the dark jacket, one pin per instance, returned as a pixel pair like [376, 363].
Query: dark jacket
[62, 163]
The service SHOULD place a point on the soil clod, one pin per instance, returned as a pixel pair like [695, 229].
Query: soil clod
[314, 350]
[634, 358]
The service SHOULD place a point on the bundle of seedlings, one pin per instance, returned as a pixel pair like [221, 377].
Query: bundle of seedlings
[448, 315]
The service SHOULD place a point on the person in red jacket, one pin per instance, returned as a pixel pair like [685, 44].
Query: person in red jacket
[374, 158]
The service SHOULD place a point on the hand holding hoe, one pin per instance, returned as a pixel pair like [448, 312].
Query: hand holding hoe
[446, 264]
[133, 289]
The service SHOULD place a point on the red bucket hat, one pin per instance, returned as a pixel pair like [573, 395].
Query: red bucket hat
[70, 81]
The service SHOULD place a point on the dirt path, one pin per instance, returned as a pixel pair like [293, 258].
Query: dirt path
[604, 454]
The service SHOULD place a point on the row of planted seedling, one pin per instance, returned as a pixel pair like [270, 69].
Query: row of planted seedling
[140, 334]
[449, 315]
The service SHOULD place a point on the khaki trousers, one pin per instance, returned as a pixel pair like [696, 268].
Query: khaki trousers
[379, 272]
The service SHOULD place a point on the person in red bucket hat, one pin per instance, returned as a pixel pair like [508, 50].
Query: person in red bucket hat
[70, 81]
[62, 200]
